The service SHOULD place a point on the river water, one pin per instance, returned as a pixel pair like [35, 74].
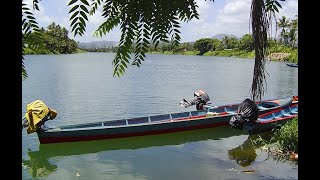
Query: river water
[81, 88]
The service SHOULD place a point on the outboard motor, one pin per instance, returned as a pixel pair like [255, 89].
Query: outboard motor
[248, 113]
[200, 98]
[37, 114]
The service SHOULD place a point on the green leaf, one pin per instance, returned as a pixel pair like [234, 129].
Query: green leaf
[36, 7]
[81, 31]
[278, 4]
[145, 41]
[82, 21]
[31, 17]
[176, 26]
[71, 2]
[74, 20]
[142, 53]
[124, 64]
[74, 8]
[145, 45]
[121, 67]
[145, 32]
[268, 2]
[138, 41]
[28, 12]
[74, 14]
[84, 8]
[177, 31]
[33, 21]
[275, 8]
[74, 27]
[81, 25]
[85, 2]
[84, 15]
[126, 60]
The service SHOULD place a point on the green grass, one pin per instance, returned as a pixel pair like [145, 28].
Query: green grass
[287, 136]
[293, 57]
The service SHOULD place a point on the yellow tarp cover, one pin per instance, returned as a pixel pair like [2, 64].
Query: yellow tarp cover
[36, 111]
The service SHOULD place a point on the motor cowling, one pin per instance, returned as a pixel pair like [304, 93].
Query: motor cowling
[200, 98]
[248, 112]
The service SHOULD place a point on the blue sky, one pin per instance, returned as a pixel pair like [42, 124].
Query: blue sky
[220, 16]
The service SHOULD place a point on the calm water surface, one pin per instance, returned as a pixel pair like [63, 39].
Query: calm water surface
[81, 88]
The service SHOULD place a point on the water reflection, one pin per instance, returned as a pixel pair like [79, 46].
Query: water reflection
[39, 166]
[245, 154]
[39, 163]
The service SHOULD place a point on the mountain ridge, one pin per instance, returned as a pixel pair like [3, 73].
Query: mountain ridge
[97, 44]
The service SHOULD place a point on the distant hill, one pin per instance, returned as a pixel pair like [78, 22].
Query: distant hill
[97, 44]
[220, 36]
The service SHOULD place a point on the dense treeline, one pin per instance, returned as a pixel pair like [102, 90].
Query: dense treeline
[55, 41]
[231, 46]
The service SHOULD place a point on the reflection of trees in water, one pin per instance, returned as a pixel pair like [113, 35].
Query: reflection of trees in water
[39, 166]
[245, 154]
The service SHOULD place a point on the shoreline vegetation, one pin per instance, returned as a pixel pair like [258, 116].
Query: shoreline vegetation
[54, 40]
[289, 55]
[283, 144]
[275, 56]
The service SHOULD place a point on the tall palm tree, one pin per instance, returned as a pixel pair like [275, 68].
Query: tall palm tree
[283, 23]
[293, 33]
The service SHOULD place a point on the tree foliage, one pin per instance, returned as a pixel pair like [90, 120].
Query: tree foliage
[246, 43]
[203, 45]
[217, 45]
[57, 40]
[229, 42]
[284, 23]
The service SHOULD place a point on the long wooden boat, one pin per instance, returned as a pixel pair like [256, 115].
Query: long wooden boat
[272, 119]
[158, 124]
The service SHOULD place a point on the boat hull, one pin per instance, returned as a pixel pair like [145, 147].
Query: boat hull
[129, 131]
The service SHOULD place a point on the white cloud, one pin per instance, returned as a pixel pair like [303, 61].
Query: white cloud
[235, 7]
[232, 18]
